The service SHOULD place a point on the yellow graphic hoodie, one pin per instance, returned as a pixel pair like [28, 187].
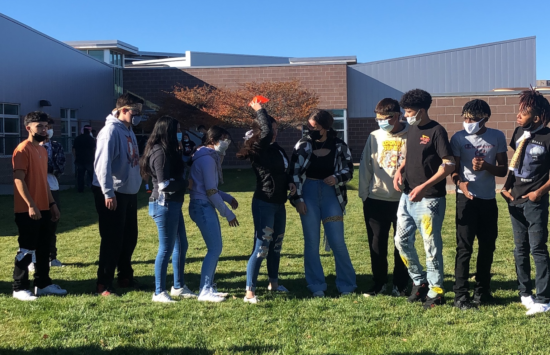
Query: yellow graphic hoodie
[382, 155]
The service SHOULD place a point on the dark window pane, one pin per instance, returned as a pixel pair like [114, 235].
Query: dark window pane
[11, 109]
[11, 143]
[1, 125]
[11, 125]
[97, 54]
[73, 113]
[337, 113]
[63, 113]
[1, 109]
[338, 124]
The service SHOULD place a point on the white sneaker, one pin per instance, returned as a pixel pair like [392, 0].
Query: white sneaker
[31, 267]
[280, 288]
[52, 289]
[183, 292]
[538, 308]
[207, 295]
[215, 291]
[527, 301]
[24, 295]
[319, 294]
[252, 300]
[163, 297]
[56, 262]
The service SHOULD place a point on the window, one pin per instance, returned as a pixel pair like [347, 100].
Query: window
[116, 58]
[9, 128]
[69, 127]
[340, 124]
[117, 79]
[97, 54]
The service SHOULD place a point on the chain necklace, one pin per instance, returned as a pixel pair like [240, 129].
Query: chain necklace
[316, 146]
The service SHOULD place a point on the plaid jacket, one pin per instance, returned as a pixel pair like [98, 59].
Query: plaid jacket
[56, 158]
[343, 169]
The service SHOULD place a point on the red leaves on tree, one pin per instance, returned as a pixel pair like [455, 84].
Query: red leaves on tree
[289, 103]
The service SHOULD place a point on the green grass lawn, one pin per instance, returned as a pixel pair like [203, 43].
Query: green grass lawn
[82, 323]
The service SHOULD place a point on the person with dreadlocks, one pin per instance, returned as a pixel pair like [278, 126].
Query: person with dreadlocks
[480, 155]
[526, 191]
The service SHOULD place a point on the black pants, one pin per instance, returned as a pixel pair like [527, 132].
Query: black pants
[379, 217]
[34, 235]
[479, 218]
[84, 170]
[530, 225]
[119, 232]
[53, 228]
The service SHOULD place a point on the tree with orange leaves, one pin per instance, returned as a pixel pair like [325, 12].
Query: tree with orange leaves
[289, 103]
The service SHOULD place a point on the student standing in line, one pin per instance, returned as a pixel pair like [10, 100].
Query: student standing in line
[35, 209]
[383, 153]
[270, 164]
[320, 167]
[83, 153]
[56, 167]
[428, 161]
[116, 183]
[206, 173]
[162, 162]
[526, 191]
[480, 155]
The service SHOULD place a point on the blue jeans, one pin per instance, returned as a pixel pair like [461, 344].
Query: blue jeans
[269, 231]
[322, 206]
[427, 216]
[172, 241]
[530, 225]
[205, 216]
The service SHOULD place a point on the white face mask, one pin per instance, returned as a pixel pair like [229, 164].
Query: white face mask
[414, 120]
[50, 133]
[222, 146]
[472, 128]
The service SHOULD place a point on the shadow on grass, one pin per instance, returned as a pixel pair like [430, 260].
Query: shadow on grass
[83, 350]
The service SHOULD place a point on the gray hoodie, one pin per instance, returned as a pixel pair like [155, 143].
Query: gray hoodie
[206, 173]
[116, 166]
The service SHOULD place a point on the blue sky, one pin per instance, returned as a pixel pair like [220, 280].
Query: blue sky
[371, 30]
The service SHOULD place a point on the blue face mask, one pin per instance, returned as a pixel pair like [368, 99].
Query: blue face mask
[180, 136]
[385, 125]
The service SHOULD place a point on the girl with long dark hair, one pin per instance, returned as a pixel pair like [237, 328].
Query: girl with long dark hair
[321, 166]
[162, 162]
[206, 173]
[270, 164]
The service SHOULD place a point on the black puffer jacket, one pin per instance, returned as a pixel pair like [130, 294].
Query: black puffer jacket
[268, 162]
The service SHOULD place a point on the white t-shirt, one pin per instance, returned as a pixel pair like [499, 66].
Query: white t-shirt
[52, 181]
[487, 145]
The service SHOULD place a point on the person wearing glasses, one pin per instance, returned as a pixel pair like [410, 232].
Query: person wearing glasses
[320, 167]
[383, 154]
[115, 186]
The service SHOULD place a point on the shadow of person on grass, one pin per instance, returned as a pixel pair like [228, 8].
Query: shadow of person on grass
[97, 349]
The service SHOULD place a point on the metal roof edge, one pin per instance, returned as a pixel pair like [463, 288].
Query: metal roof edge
[241, 66]
[447, 51]
[52, 39]
[242, 55]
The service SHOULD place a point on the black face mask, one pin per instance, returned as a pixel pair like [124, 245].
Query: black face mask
[39, 138]
[315, 135]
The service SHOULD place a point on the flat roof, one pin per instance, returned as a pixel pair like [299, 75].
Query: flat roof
[104, 44]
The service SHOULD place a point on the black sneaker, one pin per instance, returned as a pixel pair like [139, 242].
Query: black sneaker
[483, 298]
[464, 304]
[438, 300]
[418, 293]
[375, 291]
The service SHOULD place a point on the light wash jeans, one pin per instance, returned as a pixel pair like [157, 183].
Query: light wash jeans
[322, 206]
[172, 241]
[269, 231]
[205, 216]
[426, 216]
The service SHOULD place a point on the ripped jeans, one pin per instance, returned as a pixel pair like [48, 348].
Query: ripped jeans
[530, 226]
[426, 216]
[269, 231]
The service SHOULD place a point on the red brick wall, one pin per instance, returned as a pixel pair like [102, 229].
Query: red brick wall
[328, 81]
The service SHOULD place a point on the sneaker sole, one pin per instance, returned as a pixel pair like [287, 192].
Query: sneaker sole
[186, 296]
[214, 301]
